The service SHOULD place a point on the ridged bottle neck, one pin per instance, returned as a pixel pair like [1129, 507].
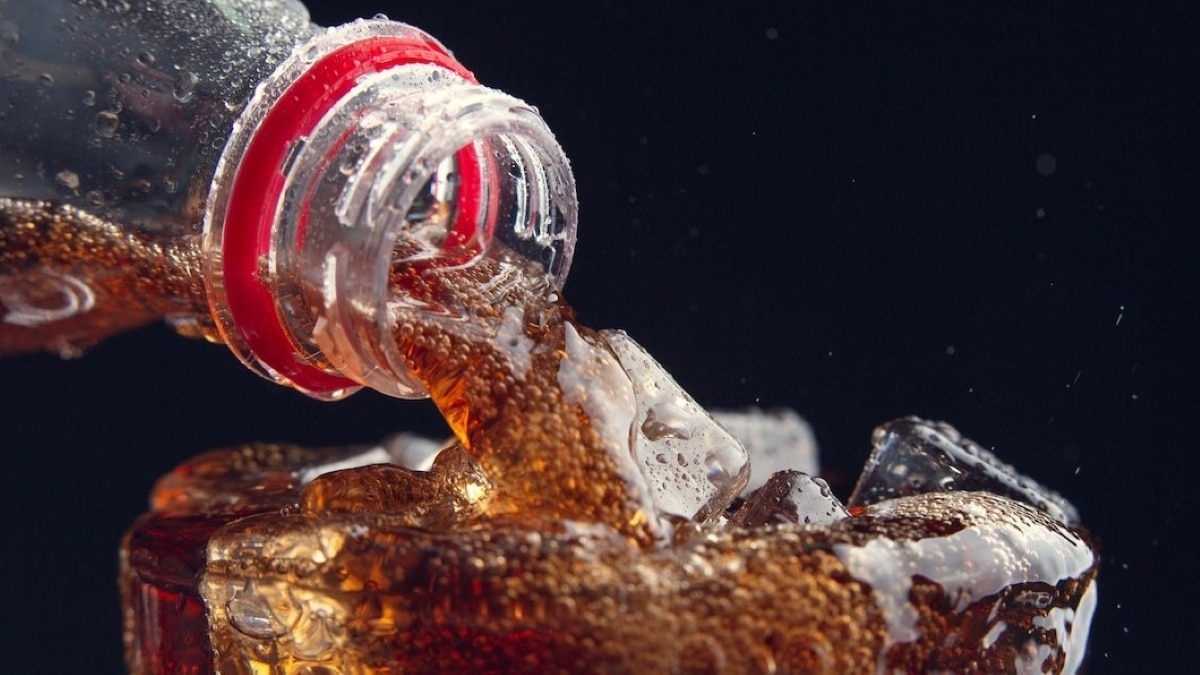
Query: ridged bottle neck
[371, 150]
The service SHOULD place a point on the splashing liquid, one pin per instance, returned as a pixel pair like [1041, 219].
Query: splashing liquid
[541, 403]
[534, 544]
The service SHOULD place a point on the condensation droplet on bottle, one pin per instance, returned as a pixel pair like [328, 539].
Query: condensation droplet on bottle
[89, 98]
[145, 59]
[106, 123]
[69, 349]
[309, 54]
[349, 163]
[124, 78]
[170, 184]
[68, 179]
[95, 198]
[46, 80]
[9, 32]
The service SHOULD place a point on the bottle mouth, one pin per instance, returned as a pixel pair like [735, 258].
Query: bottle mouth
[458, 200]
[372, 149]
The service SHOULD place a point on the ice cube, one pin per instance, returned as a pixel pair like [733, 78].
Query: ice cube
[694, 467]
[913, 456]
[789, 497]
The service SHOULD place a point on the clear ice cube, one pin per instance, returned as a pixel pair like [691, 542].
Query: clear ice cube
[912, 456]
[789, 497]
[694, 467]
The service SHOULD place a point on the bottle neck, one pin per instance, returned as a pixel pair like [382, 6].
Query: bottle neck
[372, 153]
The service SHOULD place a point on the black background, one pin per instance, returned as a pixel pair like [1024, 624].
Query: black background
[836, 209]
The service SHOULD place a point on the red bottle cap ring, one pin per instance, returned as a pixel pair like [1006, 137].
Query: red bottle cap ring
[258, 187]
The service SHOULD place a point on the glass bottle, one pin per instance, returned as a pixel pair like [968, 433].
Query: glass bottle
[256, 179]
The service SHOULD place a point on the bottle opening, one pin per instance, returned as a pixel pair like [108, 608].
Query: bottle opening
[382, 159]
[491, 200]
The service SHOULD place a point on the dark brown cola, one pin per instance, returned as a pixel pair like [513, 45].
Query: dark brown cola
[537, 543]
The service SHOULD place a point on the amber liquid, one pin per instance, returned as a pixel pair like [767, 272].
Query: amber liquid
[69, 279]
[532, 546]
[528, 430]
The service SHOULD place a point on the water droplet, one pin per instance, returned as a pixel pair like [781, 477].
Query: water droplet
[89, 98]
[95, 198]
[69, 349]
[106, 123]
[46, 80]
[145, 58]
[350, 161]
[68, 178]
